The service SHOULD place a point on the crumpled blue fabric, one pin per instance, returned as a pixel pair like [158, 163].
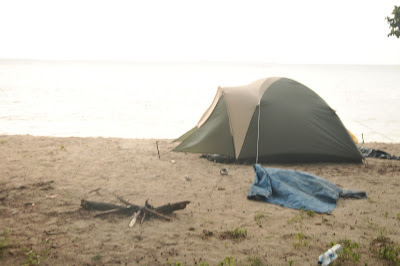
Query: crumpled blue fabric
[297, 190]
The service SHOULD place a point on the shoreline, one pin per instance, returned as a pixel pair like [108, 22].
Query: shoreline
[44, 180]
[161, 138]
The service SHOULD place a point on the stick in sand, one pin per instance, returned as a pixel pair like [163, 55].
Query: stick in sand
[159, 157]
[133, 221]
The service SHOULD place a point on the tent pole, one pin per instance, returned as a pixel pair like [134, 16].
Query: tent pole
[258, 130]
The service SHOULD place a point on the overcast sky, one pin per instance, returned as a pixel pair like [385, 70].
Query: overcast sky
[280, 31]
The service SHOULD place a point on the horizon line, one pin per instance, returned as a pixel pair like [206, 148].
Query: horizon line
[178, 62]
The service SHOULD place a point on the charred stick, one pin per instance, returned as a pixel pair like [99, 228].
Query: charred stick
[117, 210]
[169, 208]
[100, 206]
[143, 217]
[157, 213]
[127, 203]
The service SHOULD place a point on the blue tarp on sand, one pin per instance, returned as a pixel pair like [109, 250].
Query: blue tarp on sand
[297, 190]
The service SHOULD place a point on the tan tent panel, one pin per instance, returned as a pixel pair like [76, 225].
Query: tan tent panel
[277, 119]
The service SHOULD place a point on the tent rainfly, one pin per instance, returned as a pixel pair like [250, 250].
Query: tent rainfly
[271, 120]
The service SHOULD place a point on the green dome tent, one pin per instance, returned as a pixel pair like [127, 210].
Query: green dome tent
[272, 120]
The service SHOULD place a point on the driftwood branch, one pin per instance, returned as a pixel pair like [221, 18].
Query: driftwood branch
[99, 206]
[116, 210]
[171, 207]
[157, 213]
[134, 210]
[126, 202]
[108, 208]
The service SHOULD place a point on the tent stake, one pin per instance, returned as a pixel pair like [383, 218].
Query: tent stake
[158, 151]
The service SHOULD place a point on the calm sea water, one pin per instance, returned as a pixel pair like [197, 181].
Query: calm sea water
[147, 100]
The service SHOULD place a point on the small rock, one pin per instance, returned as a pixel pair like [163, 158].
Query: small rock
[224, 171]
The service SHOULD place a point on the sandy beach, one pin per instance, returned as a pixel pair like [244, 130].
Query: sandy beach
[44, 179]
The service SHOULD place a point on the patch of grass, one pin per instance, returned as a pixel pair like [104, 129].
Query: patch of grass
[170, 263]
[389, 251]
[259, 217]
[371, 225]
[204, 263]
[68, 193]
[255, 261]
[298, 218]
[370, 200]
[291, 262]
[383, 231]
[310, 213]
[386, 249]
[398, 216]
[63, 148]
[228, 261]
[238, 233]
[3, 141]
[300, 240]
[349, 251]
[34, 258]
[4, 242]
[96, 258]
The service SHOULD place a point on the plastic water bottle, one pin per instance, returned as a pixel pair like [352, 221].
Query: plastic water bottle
[330, 255]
